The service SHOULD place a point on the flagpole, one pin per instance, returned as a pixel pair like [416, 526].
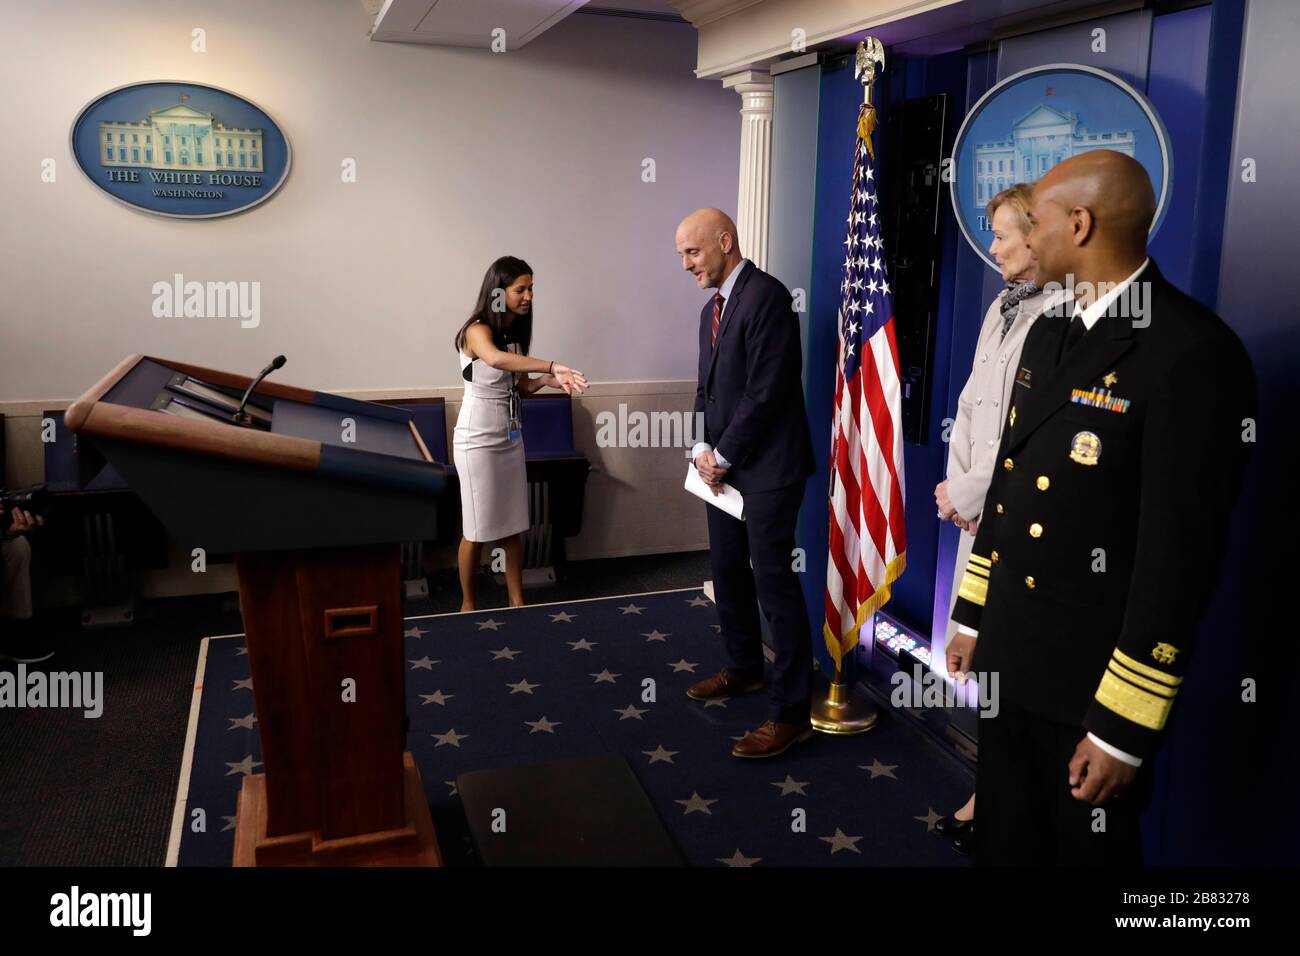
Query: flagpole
[846, 709]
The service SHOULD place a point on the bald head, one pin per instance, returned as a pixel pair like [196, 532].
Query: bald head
[707, 243]
[1091, 211]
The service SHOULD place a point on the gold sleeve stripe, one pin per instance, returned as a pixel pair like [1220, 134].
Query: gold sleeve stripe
[974, 588]
[979, 561]
[1169, 680]
[1160, 690]
[1133, 703]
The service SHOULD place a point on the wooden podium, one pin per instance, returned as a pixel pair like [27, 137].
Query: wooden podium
[312, 497]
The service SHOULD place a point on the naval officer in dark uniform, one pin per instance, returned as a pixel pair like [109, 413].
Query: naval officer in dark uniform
[1103, 529]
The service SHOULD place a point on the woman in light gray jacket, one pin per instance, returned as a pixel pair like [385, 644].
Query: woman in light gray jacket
[981, 412]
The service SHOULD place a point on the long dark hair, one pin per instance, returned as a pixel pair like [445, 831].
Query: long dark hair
[501, 275]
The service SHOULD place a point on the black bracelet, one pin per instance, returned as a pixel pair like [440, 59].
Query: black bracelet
[551, 370]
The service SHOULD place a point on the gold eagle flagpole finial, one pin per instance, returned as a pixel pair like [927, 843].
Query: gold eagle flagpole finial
[870, 57]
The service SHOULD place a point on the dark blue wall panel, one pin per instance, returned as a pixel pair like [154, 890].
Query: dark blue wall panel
[1180, 49]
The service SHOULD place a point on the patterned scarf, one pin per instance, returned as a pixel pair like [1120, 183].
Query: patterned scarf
[1017, 293]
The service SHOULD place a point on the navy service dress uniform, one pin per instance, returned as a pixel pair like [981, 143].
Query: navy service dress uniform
[1098, 550]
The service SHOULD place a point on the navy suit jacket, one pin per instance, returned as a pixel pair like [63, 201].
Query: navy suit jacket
[750, 386]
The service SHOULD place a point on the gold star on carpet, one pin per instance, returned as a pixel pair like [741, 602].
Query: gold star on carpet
[739, 859]
[790, 785]
[244, 766]
[543, 726]
[696, 804]
[449, 739]
[841, 842]
[878, 769]
[930, 819]
[659, 755]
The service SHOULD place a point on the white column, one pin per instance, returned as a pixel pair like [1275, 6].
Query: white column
[755, 89]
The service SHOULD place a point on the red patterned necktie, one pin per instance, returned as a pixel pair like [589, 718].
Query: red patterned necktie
[717, 315]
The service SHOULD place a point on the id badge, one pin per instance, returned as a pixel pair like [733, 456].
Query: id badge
[516, 426]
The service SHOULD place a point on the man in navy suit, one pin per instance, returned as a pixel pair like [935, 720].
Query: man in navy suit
[750, 393]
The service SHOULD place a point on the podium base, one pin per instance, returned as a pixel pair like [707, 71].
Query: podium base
[412, 845]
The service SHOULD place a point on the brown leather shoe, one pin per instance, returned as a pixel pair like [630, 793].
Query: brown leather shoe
[723, 684]
[772, 738]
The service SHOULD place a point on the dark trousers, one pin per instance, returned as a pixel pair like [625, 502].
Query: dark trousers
[766, 539]
[1024, 812]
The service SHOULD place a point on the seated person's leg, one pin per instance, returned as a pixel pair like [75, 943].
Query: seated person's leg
[17, 638]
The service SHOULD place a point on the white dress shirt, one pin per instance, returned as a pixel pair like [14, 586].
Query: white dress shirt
[724, 290]
[1090, 315]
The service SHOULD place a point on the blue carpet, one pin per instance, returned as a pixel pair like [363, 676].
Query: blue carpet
[507, 687]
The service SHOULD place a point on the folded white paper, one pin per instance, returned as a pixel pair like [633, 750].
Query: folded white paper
[730, 501]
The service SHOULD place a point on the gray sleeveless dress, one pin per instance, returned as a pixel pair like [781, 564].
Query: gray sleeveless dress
[493, 484]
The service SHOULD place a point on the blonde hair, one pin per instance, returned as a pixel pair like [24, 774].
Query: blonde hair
[1017, 197]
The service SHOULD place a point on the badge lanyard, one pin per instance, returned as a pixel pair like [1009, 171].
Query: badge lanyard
[516, 410]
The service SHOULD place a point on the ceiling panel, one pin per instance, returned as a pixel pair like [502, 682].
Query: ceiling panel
[469, 22]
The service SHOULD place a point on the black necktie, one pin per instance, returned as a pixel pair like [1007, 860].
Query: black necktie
[1075, 332]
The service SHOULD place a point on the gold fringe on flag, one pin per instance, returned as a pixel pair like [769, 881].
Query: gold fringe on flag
[842, 645]
[867, 126]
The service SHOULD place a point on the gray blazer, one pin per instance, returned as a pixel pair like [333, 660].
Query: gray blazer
[982, 405]
[981, 412]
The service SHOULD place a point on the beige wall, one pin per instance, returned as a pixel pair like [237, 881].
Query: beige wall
[462, 155]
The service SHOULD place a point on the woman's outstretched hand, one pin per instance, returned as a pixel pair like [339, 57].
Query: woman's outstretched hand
[570, 379]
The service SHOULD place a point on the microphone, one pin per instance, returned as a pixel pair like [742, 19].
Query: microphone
[240, 417]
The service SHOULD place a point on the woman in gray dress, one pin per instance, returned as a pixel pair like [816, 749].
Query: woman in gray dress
[487, 442]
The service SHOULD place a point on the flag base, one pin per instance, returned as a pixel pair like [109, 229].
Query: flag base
[844, 712]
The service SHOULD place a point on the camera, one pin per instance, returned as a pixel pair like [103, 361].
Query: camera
[34, 499]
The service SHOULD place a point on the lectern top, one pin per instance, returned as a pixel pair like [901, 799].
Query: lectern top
[181, 407]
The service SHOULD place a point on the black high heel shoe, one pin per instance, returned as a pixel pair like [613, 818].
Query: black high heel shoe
[951, 828]
[964, 842]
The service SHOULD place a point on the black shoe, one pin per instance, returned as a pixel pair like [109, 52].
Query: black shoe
[952, 828]
[964, 842]
[24, 649]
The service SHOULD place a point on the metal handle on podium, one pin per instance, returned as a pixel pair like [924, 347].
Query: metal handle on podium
[351, 621]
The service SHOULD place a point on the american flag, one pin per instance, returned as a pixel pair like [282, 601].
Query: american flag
[867, 539]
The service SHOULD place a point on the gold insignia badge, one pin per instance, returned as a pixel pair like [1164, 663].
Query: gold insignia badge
[1085, 448]
[1013, 415]
[1164, 653]
[1110, 379]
